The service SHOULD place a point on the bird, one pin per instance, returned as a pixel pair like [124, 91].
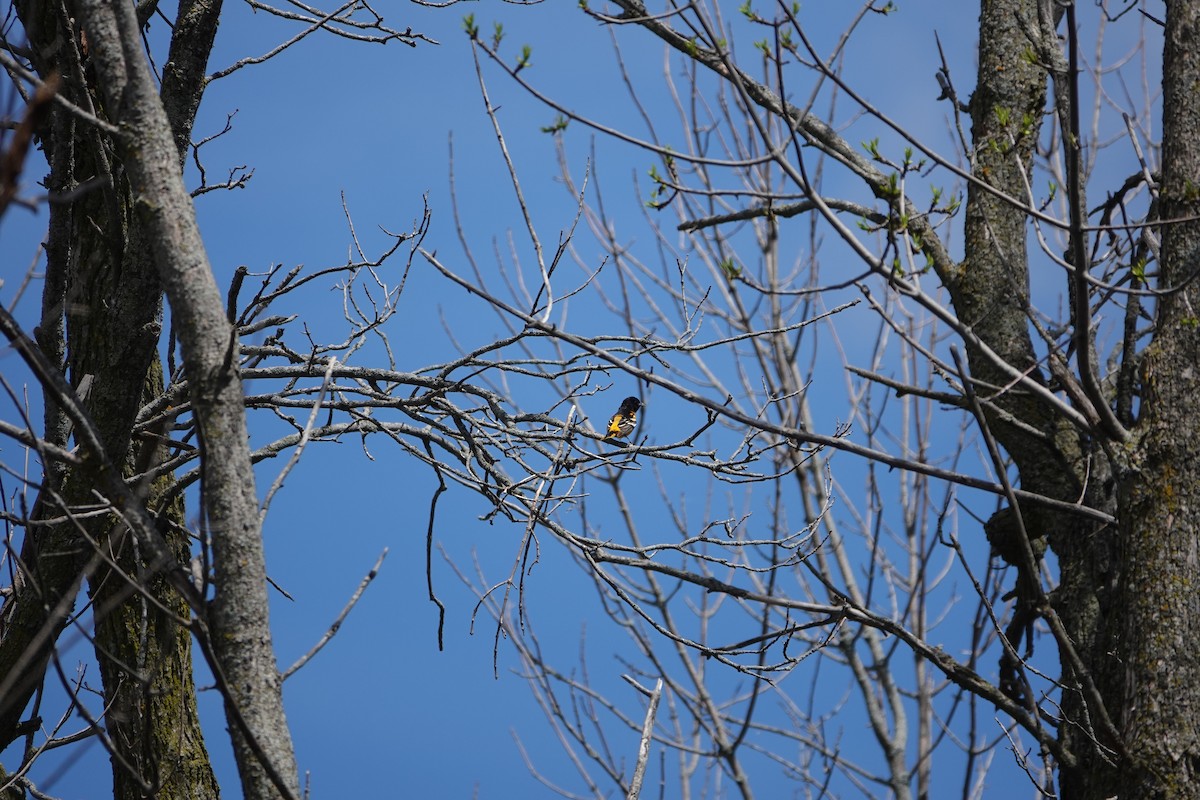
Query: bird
[624, 421]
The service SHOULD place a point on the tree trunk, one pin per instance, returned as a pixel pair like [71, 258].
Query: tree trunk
[102, 281]
[145, 653]
[1160, 621]
[1053, 457]
[240, 641]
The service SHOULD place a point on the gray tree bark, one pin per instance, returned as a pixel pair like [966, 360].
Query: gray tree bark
[1155, 637]
[238, 615]
[112, 254]
[103, 295]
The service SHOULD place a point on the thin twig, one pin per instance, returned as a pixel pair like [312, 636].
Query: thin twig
[337, 623]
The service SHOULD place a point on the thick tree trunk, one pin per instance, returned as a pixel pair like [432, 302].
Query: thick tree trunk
[239, 615]
[990, 288]
[1156, 641]
[144, 649]
[103, 295]
[1054, 458]
[1127, 598]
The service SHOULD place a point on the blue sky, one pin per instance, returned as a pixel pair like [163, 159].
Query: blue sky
[380, 712]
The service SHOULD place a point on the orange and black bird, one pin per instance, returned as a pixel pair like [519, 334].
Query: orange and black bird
[624, 421]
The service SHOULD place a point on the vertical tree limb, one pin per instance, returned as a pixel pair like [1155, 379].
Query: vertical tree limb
[1155, 636]
[238, 614]
[643, 756]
